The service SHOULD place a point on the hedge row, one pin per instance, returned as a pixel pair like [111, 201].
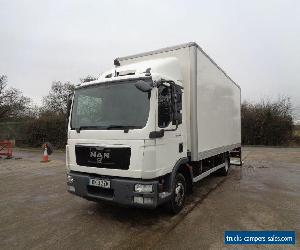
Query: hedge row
[35, 132]
[264, 123]
[267, 123]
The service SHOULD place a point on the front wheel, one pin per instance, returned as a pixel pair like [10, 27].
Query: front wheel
[178, 194]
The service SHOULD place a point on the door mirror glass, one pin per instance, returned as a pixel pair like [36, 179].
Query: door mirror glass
[176, 104]
[169, 105]
[164, 106]
[69, 104]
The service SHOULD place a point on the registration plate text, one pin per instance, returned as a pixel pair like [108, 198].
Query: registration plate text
[100, 183]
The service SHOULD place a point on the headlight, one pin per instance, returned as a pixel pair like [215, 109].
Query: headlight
[70, 179]
[143, 188]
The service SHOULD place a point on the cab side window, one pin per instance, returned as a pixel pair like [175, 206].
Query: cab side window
[177, 95]
[164, 106]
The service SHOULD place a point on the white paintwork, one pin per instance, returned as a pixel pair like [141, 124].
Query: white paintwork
[218, 107]
[168, 68]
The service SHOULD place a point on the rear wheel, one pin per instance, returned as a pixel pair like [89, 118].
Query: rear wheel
[178, 194]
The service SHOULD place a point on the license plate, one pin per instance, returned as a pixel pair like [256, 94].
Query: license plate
[100, 183]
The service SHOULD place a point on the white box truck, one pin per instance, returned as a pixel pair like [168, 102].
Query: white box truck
[149, 128]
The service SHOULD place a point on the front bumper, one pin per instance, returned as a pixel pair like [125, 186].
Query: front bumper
[121, 190]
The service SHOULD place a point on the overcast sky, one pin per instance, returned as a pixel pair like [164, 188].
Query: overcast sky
[256, 42]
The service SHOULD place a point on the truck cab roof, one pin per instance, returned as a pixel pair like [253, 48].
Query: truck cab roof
[161, 68]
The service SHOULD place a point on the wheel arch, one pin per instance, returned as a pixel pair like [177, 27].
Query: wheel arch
[182, 167]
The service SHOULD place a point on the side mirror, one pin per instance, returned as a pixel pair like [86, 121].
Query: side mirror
[69, 104]
[143, 86]
[176, 105]
[177, 119]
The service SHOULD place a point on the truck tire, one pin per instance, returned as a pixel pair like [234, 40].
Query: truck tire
[177, 201]
[224, 170]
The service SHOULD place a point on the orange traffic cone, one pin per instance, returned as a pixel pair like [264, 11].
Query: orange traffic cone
[45, 155]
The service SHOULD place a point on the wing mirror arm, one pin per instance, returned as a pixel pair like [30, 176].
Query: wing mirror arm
[173, 129]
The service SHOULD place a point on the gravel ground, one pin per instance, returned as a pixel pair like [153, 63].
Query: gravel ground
[36, 212]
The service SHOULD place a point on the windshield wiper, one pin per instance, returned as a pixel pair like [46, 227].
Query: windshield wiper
[89, 127]
[125, 127]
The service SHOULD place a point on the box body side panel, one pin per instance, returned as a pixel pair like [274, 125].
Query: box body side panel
[218, 107]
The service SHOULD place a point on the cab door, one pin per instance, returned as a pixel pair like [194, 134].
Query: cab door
[171, 146]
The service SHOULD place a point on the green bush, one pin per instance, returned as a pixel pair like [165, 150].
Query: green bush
[267, 123]
[48, 128]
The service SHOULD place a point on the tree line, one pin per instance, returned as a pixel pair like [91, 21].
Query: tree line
[262, 123]
[268, 123]
[32, 125]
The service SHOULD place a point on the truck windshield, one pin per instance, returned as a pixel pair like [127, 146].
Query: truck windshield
[118, 105]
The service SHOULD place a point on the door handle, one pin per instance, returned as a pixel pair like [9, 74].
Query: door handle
[180, 147]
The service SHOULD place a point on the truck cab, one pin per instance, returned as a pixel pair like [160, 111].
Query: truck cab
[126, 134]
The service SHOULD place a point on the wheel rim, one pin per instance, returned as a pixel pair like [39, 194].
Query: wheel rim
[179, 193]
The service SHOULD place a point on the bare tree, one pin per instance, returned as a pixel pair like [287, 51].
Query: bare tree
[88, 78]
[13, 105]
[267, 123]
[56, 100]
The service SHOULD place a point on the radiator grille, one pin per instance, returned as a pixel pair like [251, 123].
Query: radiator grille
[103, 157]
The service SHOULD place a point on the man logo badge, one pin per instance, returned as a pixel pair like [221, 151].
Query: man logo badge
[99, 156]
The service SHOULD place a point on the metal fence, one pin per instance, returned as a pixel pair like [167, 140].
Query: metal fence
[14, 130]
[35, 132]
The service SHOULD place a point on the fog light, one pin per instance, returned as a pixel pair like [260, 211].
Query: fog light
[138, 199]
[70, 180]
[143, 188]
[148, 200]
